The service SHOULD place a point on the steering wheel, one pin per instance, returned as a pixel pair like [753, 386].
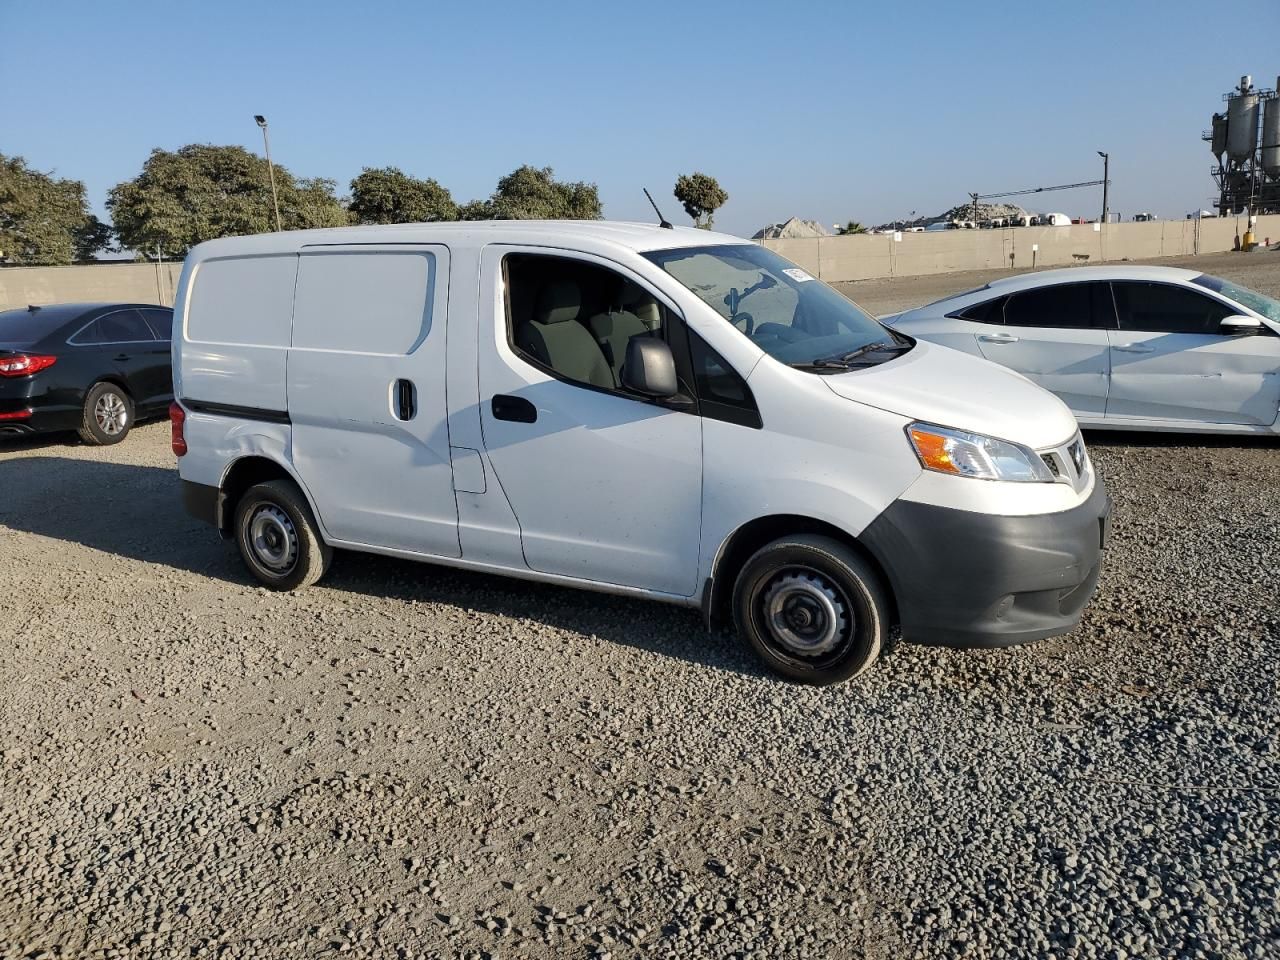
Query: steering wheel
[748, 322]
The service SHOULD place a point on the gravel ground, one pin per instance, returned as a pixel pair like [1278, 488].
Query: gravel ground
[411, 762]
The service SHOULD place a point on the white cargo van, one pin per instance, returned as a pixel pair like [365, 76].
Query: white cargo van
[672, 414]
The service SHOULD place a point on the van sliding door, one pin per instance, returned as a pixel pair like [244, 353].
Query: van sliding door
[366, 391]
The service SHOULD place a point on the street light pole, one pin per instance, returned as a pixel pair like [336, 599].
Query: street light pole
[261, 121]
[1106, 181]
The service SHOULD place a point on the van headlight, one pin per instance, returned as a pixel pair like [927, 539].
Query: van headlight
[972, 455]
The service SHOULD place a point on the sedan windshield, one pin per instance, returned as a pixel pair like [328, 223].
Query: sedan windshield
[782, 309]
[1257, 302]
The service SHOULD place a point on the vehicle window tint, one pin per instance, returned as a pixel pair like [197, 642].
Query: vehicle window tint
[1066, 305]
[376, 302]
[575, 319]
[989, 311]
[123, 326]
[160, 321]
[1165, 308]
[722, 393]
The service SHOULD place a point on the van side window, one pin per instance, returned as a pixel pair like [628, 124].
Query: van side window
[722, 393]
[574, 319]
[376, 302]
[243, 300]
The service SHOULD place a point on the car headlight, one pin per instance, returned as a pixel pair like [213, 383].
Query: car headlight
[972, 455]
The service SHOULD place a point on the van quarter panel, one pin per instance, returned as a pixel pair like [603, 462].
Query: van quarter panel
[236, 325]
[366, 384]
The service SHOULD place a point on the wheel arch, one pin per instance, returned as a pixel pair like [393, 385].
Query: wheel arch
[248, 471]
[742, 544]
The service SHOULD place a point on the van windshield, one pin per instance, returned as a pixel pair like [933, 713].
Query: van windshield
[787, 313]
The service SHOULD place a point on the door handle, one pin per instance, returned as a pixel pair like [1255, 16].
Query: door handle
[406, 400]
[1135, 348]
[121, 357]
[515, 409]
[998, 337]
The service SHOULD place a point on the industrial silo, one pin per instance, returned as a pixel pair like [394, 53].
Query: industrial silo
[1242, 122]
[1271, 135]
[1218, 138]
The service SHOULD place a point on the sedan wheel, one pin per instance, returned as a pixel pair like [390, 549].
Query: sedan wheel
[108, 415]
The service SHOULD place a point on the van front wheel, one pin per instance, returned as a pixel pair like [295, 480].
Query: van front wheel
[811, 609]
[277, 536]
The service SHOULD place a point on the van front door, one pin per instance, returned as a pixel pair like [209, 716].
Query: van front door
[366, 390]
[605, 485]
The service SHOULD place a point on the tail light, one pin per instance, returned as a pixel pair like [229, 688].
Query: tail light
[177, 420]
[22, 364]
[22, 414]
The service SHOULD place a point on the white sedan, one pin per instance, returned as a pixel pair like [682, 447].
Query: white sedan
[1150, 348]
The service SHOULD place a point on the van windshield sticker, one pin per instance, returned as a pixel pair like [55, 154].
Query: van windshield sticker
[799, 276]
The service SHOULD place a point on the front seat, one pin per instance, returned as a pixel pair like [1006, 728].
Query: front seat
[639, 316]
[555, 338]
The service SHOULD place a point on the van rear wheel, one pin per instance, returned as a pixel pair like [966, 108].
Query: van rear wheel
[278, 537]
[811, 609]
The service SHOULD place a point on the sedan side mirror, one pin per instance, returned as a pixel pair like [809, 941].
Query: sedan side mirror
[1240, 326]
[649, 368]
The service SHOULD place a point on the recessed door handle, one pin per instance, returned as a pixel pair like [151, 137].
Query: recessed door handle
[514, 409]
[121, 357]
[1135, 348]
[406, 400]
[998, 338]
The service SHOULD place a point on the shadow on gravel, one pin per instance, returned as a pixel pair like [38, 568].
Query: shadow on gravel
[1134, 438]
[136, 512]
[40, 441]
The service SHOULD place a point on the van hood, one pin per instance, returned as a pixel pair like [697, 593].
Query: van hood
[953, 389]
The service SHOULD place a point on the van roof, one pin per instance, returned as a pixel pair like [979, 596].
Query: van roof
[577, 234]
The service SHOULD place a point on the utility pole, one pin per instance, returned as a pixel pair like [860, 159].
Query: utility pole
[261, 121]
[1106, 181]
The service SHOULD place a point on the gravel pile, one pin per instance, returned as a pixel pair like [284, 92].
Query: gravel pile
[410, 762]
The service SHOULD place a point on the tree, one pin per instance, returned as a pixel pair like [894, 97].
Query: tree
[44, 220]
[200, 192]
[530, 193]
[850, 228]
[701, 196]
[388, 195]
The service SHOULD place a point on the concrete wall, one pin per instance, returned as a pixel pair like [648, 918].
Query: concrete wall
[834, 259]
[837, 259]
[121, 282]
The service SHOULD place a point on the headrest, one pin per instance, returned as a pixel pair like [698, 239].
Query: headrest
[636, 299]
[558, 302]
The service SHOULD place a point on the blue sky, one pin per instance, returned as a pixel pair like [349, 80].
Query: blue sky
[821, 110]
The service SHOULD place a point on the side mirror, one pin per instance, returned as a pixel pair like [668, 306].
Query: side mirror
[649, 368]
[1239, 326]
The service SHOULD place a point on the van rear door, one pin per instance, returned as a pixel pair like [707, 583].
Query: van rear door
[366, 393]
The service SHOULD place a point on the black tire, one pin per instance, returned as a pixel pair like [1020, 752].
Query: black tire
[107, 416]
[812, 609]
[278, 537]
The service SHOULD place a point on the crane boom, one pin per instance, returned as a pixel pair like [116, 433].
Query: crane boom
[975, 197]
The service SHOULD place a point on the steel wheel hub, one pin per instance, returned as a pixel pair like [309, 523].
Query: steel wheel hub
[273, 539]
[111, 414]
[806, 614]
